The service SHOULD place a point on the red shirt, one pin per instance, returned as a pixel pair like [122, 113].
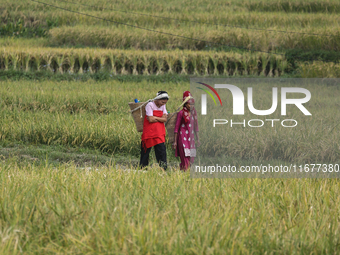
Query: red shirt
[153, 133]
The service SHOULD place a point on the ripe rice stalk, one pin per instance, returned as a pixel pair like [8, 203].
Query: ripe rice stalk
[283, 65]
[102, 60]
[5, 57]
[15, 58]
[90, 62]
[319, 69]
[214, 58]
[123, 61]
[159, 60]
[170, 61]
[26, 59]
[204, 63]
[235, 64]
[146, 62]
[95, 65]
[193, 59]
[72, 61]
[60, 61]
[245, 64]
[81, 59]
[113, 59]
[223, 60]
[184, 64]
[272, 64]
[236, 71]
[134, 61]
[38, 59]
[254, 70]
[264, 60]
[49, 59]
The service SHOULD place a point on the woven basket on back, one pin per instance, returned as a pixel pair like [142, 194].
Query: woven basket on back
[138, 115]
[170, 126]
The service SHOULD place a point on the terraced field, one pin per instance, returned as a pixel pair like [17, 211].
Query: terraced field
[206, 38]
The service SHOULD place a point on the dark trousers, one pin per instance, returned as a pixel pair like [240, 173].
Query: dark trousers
[160, 152]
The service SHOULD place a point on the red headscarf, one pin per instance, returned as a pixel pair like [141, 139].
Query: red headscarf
[191, 101]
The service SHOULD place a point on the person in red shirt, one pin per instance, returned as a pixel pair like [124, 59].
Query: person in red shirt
[154, 130]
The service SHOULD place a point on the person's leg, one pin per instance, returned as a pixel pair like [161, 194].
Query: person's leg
[185, 163]
[160, 151]
[144, 156]
[184, 160]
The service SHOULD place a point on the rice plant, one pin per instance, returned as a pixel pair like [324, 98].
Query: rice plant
[126, 38]
[137, 62]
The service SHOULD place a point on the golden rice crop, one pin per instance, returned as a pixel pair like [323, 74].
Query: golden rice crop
[68, 210]
[309, 6]
[141, 62]
[227, 16]
[248, 39]
[319, 69]
[214, 6]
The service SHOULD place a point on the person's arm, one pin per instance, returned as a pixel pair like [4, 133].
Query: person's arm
[164, 118]
[196, 129]
[198, 143]
[149, 113]
[153, 119]
[174, 145]
[178, 123]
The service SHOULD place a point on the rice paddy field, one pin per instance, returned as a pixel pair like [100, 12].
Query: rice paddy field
[249, 37]
[69, 149]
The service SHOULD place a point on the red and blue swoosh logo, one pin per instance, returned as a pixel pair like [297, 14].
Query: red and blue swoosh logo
[209, 93]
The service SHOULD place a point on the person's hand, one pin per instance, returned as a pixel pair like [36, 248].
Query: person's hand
[174, 145]
[198, 144]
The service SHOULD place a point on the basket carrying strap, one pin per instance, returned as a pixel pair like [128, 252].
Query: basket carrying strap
[179, 107]
[150, 100]
[141, 107]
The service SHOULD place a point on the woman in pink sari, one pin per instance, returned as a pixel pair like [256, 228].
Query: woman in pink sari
[185, 129]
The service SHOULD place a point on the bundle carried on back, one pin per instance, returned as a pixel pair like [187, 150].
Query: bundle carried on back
[138, 113]
[171, 122]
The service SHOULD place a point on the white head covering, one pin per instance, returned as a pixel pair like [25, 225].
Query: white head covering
[161, 94]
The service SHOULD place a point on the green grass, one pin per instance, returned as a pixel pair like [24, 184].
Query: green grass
[40, 154]
[70, 210]
[16, 75]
